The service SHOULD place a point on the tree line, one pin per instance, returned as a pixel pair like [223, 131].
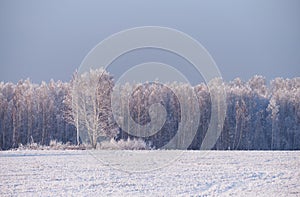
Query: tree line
[259, 116]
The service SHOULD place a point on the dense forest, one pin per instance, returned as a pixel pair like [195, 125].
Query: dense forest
[259, 116]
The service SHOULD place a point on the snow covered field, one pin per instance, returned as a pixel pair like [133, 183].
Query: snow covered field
[168, 173]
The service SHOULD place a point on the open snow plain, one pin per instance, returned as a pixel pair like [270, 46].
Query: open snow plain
[145, 173]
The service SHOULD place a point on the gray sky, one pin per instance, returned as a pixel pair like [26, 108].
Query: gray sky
[49, 39]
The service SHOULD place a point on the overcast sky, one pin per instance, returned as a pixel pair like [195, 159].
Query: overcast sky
[43, 39]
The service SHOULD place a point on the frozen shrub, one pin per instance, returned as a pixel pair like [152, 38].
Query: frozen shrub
[135, 144]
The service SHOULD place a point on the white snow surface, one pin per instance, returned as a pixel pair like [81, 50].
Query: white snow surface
[149, 173]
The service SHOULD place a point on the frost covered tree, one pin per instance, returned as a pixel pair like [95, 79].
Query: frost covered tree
[90, 106]
[259, 117]
[71, 113]
[32, 113]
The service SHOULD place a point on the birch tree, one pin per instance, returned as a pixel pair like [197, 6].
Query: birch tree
[91, 106]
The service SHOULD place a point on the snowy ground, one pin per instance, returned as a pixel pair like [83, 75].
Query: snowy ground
[167, 173]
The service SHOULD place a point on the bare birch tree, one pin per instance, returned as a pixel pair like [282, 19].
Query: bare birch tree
[91, 106]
